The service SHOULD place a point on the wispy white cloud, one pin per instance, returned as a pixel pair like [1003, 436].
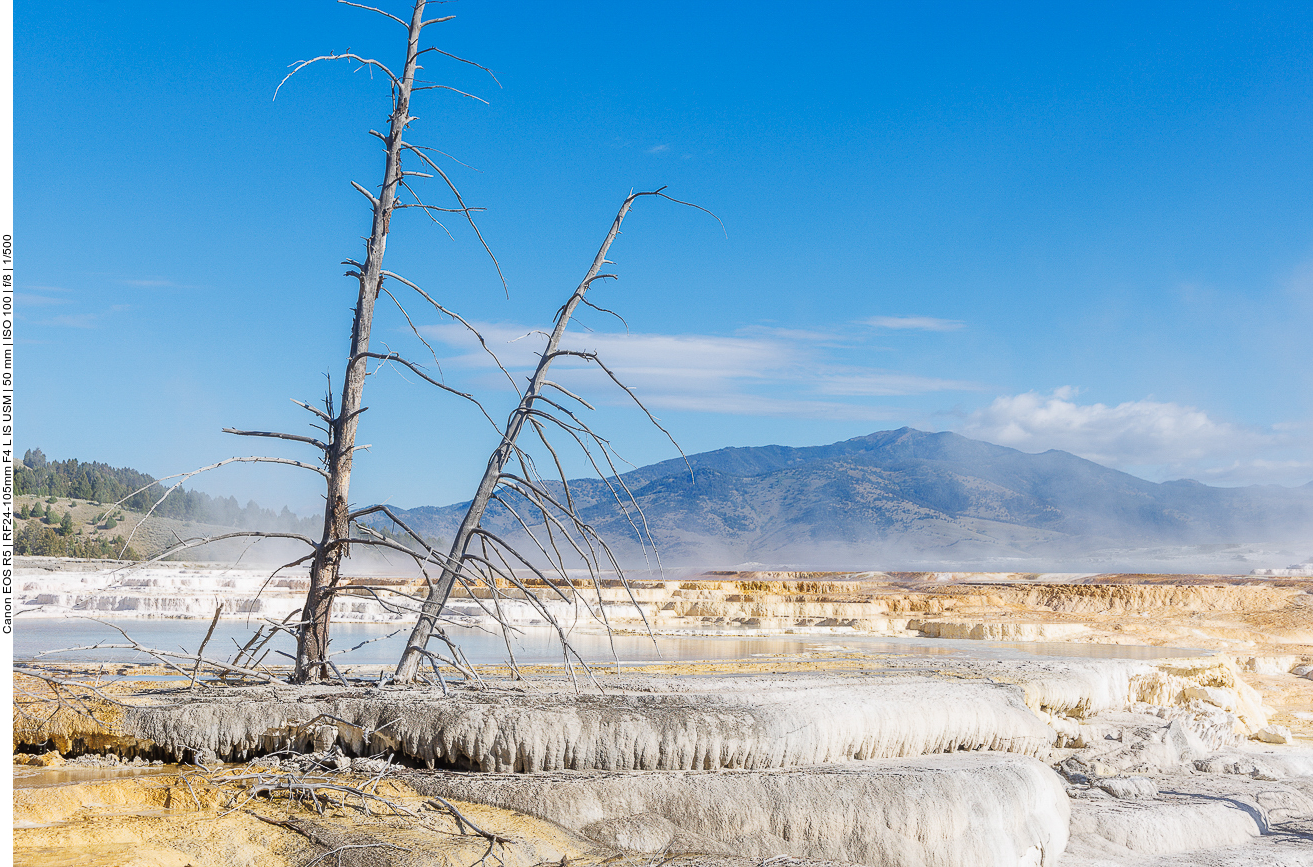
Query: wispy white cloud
[74, 320]
[85, 319]
[761, 373]
[26, 299]
[49, 296]
[659, 149]
[1258, 471]
[821, 374]
[887, 383]
[764, 406]
[810, 335]
[1163, 439]
[913, 323]
[153, 283]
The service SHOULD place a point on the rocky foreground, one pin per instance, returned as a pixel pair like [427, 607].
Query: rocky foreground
[841, 757]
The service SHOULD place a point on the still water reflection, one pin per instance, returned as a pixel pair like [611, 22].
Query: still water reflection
[533, 645]
[40, 778]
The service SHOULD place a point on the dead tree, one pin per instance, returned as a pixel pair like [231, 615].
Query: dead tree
[339, 421]
[341, 426]
[478, 556]
[325, 568]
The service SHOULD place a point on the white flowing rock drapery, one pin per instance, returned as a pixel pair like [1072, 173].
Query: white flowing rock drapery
[804, 723]
[983, 809]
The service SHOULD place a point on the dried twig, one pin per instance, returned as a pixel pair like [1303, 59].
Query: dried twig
[164, 656]
[218, 609]
[437, 802]
[348, 846]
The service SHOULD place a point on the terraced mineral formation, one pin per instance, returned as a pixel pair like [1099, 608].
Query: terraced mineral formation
[982, 809]
[1206, 611]
[722, 724]
[1199, 760]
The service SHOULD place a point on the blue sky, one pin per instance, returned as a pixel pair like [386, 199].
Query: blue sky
[1087, 228]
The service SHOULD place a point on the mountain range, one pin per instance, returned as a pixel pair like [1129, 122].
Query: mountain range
[907, 498]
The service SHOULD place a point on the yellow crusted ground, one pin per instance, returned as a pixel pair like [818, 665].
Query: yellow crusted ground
[171, 820]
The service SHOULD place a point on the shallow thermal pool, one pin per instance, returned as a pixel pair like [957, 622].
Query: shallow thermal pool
[39, 778]
[533, 645]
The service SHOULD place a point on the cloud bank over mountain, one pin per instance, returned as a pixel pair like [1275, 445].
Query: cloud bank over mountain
[756, 372]
[1155, 438]
[844, 373]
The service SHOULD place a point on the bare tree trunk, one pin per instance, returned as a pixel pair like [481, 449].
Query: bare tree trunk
[439, 591]
[312, 645]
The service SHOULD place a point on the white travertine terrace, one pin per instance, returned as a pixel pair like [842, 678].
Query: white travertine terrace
[985, 809]
[719, 725]
[1073, 762]
[192, 591]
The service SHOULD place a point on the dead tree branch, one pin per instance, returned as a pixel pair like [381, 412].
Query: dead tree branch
[461, 60]
[195, 672]
[198, 541]
[374, 9]
[276, 435]
[183, 477]
[439, 803]
[418, 371]
[468, 327]
[166, 657]
[494, 473]
[363, 61]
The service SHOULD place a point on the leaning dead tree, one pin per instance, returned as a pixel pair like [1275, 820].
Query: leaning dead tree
[478, 556]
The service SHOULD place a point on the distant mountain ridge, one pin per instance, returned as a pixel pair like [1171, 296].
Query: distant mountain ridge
[911, 494]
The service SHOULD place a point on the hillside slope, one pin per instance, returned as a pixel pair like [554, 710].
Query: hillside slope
[907, 493]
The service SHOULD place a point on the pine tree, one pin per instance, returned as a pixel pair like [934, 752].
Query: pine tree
[66, 524]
